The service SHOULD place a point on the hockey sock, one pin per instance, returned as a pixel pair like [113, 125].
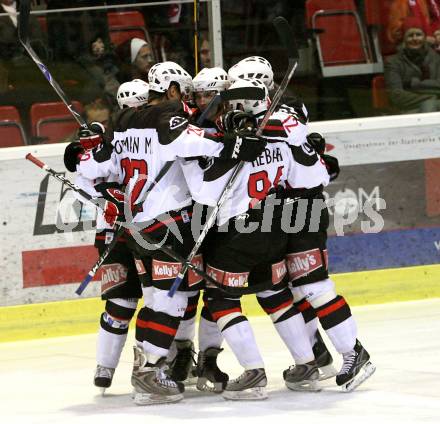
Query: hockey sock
[337, 321]
[113, 331]
[310, 318]
[209, 333]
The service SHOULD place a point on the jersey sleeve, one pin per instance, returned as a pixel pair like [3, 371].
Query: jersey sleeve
[308, 169]
[98, 163]
[286, 125]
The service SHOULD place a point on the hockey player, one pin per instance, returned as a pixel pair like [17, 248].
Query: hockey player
[313, 290]
[143, 141]
[120, 286]
[257, 255]
[260, 68]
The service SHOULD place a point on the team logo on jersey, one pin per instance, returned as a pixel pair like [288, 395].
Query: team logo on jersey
[279, 270]
[176, 122]
[139, 267]
[303, 263]
[112, 275]
[163, 270]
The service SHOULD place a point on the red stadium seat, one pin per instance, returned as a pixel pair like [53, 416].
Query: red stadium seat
[53, 120]
[11, 130]
[126, 25]
[341, 40]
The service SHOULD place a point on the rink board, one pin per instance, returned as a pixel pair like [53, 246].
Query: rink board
[46, 244]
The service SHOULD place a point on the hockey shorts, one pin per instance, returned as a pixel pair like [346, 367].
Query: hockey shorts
[119, 278]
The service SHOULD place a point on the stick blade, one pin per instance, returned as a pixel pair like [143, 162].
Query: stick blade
[285, 34]
[23, 21]
[251, 93]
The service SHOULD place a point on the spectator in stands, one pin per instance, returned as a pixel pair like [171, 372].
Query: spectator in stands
[425, 12]
[205, 51]
[100, 63]
[412, 76]
[137, 58]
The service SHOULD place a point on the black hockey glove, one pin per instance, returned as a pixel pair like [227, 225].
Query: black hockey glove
[114, 202]
[242, 145]
[91, 137]
[332, 165]
[317, 141]
[237, 120]
[72, 155]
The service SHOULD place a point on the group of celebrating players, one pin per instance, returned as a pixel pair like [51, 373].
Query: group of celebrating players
[160, 166]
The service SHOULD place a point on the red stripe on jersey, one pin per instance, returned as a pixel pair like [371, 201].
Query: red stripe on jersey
[220, 314]
[274, 128]
[279, 307]
[120, 239]
[303, 306]
[156, 326]
[332, 308]
[163, 223]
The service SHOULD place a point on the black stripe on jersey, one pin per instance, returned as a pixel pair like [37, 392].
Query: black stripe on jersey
[191, 308]
[218, 169]
[234, 321]
[304, 154]
[274, 128]
[206, 314]
[118, 311]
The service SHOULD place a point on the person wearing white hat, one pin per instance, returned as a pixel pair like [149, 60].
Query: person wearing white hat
[141, 57]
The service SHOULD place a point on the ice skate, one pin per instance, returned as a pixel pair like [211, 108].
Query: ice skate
[151, 384]
[210, 377]
[324, 359]
[251, 385]
[302, 377]
[103, 377]
[182, 368]
[356, 368]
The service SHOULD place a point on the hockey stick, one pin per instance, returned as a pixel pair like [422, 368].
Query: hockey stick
[23, 35]
[287, 39]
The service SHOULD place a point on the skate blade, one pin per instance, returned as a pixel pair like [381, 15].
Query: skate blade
[204, 385]
[367, 371]
[254, 393]
[154, 399]
[190, 381]
[327, 372]
[304, 386]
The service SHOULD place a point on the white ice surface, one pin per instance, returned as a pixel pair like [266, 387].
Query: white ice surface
[50, 381]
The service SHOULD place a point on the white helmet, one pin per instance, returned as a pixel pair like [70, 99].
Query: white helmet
[253, 67]
[162, 74]
[132, 93]
[254, 107]
[211, 79]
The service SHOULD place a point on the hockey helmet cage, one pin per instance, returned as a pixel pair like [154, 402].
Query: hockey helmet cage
[253, 67]
[132, 93]
[255, 107]
[162, 74]
[211, 79]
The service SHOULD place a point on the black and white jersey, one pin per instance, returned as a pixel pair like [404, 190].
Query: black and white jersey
[280, 164]
[287, 124]
[142, 141]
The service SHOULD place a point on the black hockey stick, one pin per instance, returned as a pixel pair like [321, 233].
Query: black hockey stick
[288, 40]
[23, 35]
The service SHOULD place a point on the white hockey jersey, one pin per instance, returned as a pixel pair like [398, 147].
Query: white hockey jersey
[143, 141]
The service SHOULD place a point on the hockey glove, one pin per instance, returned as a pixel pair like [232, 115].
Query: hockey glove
[114, 202]
[72, 155]
[92, 137]
[242, 145]
[317, 141]
[237, 120]
[332, 165]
